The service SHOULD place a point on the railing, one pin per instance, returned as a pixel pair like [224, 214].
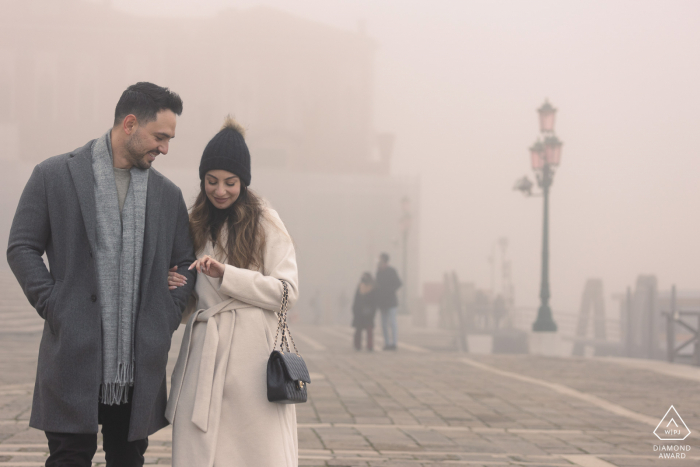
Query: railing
[676, 317]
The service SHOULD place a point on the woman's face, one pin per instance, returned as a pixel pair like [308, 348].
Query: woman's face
[222, 188]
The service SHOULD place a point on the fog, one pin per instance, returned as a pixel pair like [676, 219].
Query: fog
[458, 83]
[374, 126]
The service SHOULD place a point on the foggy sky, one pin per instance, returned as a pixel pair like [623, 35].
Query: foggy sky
[459, 82]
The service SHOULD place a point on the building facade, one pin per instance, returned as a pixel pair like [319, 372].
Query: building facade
[303, 90]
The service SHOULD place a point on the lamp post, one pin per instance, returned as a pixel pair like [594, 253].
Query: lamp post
[545, 156]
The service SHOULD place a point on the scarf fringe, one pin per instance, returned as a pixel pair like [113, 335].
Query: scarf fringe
[117, 392]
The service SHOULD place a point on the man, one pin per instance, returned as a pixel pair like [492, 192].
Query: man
[387, 283]
[111, 227]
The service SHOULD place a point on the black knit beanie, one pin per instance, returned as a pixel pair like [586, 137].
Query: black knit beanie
[227, 151]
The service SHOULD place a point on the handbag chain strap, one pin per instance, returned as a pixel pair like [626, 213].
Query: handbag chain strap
[282, 324]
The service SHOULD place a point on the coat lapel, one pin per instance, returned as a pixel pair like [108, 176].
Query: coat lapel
[80, 166]
[150, 240]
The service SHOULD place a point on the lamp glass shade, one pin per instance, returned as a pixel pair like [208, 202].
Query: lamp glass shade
[537, 160]
[552, 151]
[547, 122]
[537, 155]
[547, 114]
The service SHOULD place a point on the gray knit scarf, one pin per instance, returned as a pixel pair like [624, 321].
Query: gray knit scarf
[118, 260]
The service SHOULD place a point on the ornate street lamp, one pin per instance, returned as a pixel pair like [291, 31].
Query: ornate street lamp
[545, 156]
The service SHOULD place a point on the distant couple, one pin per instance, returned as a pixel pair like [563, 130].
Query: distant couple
[376, 293]
[125, 260]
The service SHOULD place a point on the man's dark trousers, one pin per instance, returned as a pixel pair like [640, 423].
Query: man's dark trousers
[77, 450]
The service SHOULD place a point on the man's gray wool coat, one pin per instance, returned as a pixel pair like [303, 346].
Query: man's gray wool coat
[56, 215]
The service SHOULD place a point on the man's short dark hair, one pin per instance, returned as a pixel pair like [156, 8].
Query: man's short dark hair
[384, 257]
[144, 100]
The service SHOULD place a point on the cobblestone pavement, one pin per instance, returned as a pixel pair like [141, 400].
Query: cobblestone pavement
[423, 405]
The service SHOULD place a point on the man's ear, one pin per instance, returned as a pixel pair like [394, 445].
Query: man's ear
[130, 124]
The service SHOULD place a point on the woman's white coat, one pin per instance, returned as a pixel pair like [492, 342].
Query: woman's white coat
[218, 401]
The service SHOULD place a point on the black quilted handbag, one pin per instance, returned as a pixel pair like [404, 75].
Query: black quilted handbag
[287, 375]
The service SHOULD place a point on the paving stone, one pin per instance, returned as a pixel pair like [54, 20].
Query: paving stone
[410, 408]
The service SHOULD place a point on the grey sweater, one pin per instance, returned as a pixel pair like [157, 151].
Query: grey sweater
[123, 178]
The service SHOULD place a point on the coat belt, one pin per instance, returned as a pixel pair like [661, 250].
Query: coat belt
[212, 364]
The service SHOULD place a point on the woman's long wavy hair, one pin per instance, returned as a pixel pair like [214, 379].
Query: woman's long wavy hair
[243, 236]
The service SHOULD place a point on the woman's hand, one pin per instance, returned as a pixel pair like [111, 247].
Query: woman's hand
[209, 266]
[175, 280]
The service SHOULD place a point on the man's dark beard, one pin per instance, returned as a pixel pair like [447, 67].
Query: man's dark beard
[131, 149]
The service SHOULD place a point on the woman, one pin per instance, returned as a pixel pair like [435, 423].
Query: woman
[364, 307]
[218, 401]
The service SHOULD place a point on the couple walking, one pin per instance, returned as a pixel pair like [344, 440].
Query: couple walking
[372, 294]
[125, 260]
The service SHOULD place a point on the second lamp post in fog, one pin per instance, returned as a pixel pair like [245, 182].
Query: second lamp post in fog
[545, 156]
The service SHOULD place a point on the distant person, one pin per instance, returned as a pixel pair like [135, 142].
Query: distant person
[111, 228]
[364, 308]
[218, 402]
[387, 283]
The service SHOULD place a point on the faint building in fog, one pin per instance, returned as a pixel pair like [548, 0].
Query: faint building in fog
[303, 90]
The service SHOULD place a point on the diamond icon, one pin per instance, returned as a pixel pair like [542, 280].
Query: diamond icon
[672, 427]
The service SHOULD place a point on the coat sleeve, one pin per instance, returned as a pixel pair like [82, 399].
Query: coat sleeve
[190, 308]
[29, 236]
[264, 290]
[182, 256]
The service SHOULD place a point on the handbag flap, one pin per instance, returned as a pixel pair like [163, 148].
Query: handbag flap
[294, 366]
